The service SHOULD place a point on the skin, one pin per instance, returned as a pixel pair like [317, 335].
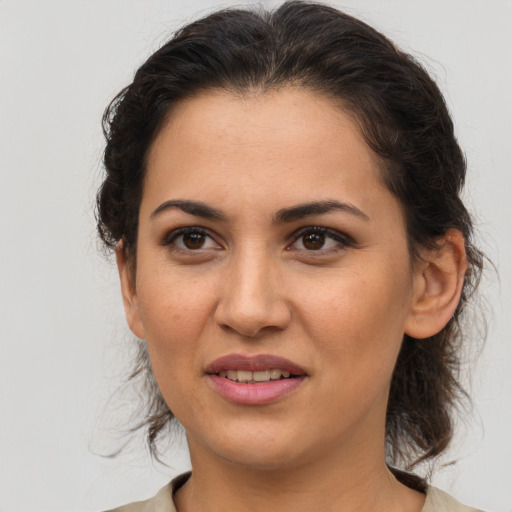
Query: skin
[254, 287]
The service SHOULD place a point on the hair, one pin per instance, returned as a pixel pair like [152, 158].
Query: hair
[404, 120]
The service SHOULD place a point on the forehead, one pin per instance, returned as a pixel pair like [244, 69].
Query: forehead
[276, 119]
[286, 145]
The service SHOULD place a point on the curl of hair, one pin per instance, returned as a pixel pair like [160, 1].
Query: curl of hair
[404, 119]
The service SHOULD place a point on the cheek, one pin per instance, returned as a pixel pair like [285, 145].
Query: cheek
[358, 317]
[174, 312]
[174, 316]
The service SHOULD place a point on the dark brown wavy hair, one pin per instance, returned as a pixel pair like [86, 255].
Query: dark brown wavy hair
[404, 119]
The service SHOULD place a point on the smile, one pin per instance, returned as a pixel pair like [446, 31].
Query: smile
[254, 377]
[254, 380]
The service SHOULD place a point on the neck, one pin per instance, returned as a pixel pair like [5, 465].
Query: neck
[324, 483]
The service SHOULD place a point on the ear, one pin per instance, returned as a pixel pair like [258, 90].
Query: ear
[129, 292]
[438, 279]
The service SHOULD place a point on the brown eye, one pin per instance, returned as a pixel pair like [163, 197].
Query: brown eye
[194, 240]
[313, 241]
[320, 240]
[191, 239]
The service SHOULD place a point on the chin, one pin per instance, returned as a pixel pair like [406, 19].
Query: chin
[260, 451]
[257, 460]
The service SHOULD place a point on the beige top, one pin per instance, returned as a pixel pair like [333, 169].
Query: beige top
[436, 501]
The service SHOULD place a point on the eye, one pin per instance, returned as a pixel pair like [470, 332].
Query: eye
[316, 238]
[190, 239]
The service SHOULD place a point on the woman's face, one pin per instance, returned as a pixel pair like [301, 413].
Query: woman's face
[267, 244]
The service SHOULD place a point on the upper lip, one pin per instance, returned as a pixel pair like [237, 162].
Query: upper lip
[253, 364]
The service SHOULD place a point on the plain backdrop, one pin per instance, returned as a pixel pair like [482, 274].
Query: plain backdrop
[64, 345]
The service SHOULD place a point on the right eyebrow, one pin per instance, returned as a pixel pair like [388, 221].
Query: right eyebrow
[195, 208]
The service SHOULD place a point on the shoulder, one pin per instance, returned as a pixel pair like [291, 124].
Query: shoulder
[439, 501]
[161, 502]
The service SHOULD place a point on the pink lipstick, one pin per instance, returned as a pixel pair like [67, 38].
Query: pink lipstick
[254, 380]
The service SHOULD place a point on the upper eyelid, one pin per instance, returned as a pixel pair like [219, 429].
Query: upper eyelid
[170, 236]
[333, 233]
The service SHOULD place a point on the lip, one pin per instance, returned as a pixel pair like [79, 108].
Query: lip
[258, 393]
[253, 364]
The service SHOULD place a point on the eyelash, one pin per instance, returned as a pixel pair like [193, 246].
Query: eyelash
[170, 238]
[342, 239]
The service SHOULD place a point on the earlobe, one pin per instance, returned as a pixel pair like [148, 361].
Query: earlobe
[438, 282]
[129, 292]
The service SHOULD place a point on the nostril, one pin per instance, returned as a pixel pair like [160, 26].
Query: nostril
[252, 321]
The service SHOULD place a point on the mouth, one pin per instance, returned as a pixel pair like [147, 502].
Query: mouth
[253, 380]
[256, 377]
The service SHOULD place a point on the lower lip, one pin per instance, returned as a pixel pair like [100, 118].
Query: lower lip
[254, 394]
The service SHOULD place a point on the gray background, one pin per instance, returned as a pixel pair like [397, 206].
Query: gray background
[64, 345]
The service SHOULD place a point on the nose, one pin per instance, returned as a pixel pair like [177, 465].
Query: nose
[252, 301]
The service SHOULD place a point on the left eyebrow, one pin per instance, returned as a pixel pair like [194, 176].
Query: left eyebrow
[316, 208]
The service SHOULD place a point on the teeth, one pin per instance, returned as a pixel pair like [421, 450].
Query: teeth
[244, 376]
[275, 374]
[259, 376]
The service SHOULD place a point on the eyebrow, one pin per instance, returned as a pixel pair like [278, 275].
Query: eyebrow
[316, 208]
[283, 216]
[195, 208]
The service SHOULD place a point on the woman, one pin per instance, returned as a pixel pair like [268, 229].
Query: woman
[282, 194]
